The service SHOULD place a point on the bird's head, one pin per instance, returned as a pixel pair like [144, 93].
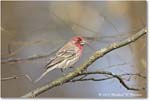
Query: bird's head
[78, 40]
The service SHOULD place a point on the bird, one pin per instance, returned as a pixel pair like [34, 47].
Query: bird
[66, 56]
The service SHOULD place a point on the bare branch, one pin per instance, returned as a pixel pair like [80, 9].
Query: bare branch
[16, 77]
[98, 54]
[111, 76]
[34, 57]
[12, 60]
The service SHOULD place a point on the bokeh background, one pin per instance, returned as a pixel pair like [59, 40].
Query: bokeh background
[40, 27]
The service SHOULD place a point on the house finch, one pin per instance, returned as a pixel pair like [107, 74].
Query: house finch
[66, 56]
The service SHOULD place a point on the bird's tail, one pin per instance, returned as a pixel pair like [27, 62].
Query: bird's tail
[48, 70]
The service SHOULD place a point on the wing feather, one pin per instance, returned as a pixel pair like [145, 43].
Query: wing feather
[61, 56]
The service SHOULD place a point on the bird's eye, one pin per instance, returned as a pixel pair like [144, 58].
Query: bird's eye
[79, 39]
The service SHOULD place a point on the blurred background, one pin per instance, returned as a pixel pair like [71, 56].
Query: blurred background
[39, 28]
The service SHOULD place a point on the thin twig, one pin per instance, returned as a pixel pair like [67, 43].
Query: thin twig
[34, 57]
[16, 77]
[12, 60]
[118, 77]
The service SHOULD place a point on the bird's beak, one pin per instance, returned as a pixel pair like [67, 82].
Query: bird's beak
[83, 42]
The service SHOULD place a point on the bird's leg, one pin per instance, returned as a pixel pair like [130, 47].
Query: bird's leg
[62, 71]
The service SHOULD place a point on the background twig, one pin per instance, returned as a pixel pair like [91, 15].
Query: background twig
[111, 76]
[16, 77]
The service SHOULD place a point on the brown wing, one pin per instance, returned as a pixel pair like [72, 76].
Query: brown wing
[53, 61]
[61, 56]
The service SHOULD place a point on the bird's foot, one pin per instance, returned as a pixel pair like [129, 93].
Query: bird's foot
[62, 71]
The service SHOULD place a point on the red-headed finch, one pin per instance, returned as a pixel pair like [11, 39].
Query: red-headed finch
[66, 56]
